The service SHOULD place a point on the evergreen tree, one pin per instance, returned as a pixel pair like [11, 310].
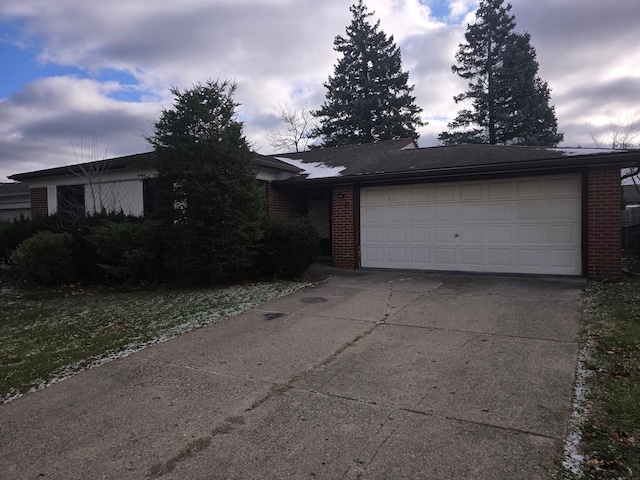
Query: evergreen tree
[209, 199]
[509, 102]
[368, 99]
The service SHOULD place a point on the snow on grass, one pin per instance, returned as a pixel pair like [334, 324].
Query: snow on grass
[47, 336]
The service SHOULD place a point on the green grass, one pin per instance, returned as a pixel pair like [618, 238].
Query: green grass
[609, 428]
[47, 335]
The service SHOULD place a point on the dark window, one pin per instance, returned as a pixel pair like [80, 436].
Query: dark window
[150, 193]
[71, 200]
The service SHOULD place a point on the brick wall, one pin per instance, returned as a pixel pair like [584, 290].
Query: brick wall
[39, 202]
[344, 227]
[285, 203]
[604, 251]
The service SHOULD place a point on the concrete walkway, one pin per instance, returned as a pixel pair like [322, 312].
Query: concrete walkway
[368, 375]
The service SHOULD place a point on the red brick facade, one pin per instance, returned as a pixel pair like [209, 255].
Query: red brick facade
[39, 202]
[604, 251]
[345, 242]
[285, 203]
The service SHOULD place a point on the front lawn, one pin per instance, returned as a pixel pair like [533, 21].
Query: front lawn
[47, 335]
[605, 436]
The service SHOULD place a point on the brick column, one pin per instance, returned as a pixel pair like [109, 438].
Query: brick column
[604, 236]
[39, 202]
[344, 227]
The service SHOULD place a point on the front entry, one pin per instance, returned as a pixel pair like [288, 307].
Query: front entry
[319, 216]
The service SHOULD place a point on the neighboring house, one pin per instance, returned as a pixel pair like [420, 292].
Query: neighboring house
[113, 185]
[15, 201]
[469, 208]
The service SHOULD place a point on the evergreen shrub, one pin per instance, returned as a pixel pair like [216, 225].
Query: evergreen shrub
[47, 258]
[289, 247]
[126, 251]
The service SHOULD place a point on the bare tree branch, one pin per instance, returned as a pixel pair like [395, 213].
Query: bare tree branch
[296, 131]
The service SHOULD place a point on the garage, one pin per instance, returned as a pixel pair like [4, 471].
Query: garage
[528, 225]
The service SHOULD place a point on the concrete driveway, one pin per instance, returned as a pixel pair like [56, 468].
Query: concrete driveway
[368, 375]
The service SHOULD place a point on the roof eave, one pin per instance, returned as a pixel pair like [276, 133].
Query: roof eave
[454, 172]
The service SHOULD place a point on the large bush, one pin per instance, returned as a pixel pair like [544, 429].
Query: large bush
[47, 258]
[14, 232]
[289, 247]
[126, 250]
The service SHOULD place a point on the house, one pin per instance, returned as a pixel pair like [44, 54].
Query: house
[113, 185]
[14, 201]
[469, 208]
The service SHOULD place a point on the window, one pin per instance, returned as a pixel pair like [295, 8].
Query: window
[71, 200]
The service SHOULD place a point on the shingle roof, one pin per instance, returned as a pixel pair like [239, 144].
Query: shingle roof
[383, 160]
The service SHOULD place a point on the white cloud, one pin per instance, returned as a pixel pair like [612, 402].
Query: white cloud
[282, 50]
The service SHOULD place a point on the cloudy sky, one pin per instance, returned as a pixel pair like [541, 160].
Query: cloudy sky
[85, 80]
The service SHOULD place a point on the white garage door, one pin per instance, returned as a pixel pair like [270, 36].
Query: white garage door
[517, 225]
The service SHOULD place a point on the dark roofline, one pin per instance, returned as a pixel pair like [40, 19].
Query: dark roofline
[118, 163]
[274, 163]
[131, 161]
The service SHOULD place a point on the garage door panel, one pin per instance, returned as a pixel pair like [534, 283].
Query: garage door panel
[373, 216]
[419, 195]
[498, 258]
[562, 186]
[372, 196]
[471, 256]
[371, 236]
[562, 258]
[562, 210]
[498, 212]
[444, 213]
[499, 190]
[528, 211]
[445, 257]
[469, 212]
[529, 257]
[396, 215]
[470, 234]
[562, 234]
[498, 234]
[418, 214]
[419, 235]
[527, 234]
[396, 256]
[520, 225]
[445, 193]
[472, 191]
[443, 234]
[420, 256]
[373, 256]
[529, 188]
[396, 235]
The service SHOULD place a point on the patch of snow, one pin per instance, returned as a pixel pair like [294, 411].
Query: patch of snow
[314, 169]
[571, 152]
[573, 460]
[238, 299]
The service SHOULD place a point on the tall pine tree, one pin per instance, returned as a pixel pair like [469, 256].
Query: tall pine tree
[509, 102]
[209, 199]
[368, 99]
